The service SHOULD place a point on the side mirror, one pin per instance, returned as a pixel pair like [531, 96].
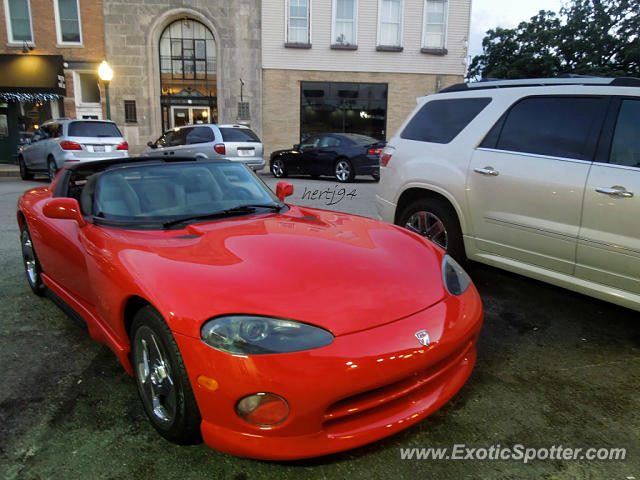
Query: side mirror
[151, 145]
[283, 190]
[296, 146]
[64, 209]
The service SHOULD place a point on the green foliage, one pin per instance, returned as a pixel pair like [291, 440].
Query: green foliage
[587, 37]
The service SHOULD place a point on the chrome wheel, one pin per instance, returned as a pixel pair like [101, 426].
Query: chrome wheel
[277, 168]
[29, 258]
[154, 376]
[343, 170]
[430, 226]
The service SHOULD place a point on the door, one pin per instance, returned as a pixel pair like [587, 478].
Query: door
[609, 242]
[33, 155]
[325, 156]
[186, 115]
[308, 149]
[526, 180]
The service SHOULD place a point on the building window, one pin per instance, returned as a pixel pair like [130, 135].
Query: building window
[340, 107]
[390, 17]
[19, 27]
[67, 13]
[345, 22]
[187, 51]
[298, 21]
[130, 114]
[434, 30]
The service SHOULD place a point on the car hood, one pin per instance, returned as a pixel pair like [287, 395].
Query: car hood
[341, 272]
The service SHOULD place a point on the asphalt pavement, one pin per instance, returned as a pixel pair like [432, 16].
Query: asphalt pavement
[553, 368]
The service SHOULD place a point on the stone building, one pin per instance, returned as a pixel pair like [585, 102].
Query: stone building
[355, 65]
[178, 62]
[49, 55]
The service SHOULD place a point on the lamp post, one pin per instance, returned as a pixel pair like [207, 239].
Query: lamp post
[105, 72]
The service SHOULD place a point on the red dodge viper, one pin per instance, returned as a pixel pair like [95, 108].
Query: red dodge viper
[269, 330]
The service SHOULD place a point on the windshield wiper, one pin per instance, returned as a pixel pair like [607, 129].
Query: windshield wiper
[240, 209]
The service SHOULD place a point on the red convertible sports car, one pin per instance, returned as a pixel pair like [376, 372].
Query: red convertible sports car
[269, 330]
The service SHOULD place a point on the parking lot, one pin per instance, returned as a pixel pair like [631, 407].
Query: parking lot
[554, 368]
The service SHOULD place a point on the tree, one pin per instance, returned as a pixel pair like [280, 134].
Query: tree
[587, 37]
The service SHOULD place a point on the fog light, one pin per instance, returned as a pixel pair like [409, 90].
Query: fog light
[263, 409]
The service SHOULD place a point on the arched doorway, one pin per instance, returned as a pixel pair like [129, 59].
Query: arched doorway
[188, 79]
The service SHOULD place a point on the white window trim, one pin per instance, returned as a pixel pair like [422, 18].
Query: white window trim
[424, 25]
[286, 22]
[77, 90]
[333, 23]
[56, 11]
[7, 16]
[401, 44]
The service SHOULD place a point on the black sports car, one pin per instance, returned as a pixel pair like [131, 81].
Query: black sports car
[343, 155]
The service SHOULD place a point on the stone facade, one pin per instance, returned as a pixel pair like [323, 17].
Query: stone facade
[133, 29]
[281, 99]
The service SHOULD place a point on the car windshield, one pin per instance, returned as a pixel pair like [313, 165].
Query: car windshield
[233, 134]
[93, 129]
[172, 193]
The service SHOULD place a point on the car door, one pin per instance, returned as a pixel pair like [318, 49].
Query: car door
[33, 155]
[526, 180]
[308, 148]
[609, 242]
[325, 155]
[199, 142]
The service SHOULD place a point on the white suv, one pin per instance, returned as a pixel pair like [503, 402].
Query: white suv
[540, 177]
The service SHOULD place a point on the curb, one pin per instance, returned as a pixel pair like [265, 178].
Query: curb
[9, 171]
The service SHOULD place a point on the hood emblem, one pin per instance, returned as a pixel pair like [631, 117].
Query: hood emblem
[423, 337]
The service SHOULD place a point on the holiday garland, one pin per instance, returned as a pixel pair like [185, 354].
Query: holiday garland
[29, 97]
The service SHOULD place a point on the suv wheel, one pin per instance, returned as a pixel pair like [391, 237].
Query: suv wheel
[434, 219]
[52, 168]
[24, 171]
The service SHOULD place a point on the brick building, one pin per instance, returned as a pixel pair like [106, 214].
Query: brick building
[49, 55]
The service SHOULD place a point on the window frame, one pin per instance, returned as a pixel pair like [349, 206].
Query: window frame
[287, 41]
[127, 119]
[61, 42]
[442, 49]
[7, 15]
[333, 43]
[77, 89]
[400, 43]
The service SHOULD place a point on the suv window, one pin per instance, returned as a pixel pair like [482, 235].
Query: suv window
[440, 121]
[231, 134]
[553, 126]
[53, 130]
[625, 149]
[200, 135]
[93, 129]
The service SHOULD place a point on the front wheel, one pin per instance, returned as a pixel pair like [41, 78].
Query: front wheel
[434, 219]
[161, 378]
[31, 263]
[278, 169]
[344, 170]
[24, 171]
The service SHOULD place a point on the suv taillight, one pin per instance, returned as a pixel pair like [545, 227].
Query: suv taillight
[385, 156]
[123, 146]
[219, 148]
[68, 145]
[374, 151]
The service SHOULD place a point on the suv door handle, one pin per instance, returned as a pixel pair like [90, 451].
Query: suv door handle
[615, 191]
[487, 171]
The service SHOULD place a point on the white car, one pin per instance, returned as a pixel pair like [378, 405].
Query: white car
[540, 177]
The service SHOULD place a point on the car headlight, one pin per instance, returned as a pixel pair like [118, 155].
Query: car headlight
[255, 335]
[455, 279]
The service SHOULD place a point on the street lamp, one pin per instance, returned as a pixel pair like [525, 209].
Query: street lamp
[105, 72]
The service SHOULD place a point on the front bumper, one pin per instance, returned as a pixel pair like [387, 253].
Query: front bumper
[362, 387]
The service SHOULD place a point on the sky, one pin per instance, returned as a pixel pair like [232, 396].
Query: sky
[487, 14]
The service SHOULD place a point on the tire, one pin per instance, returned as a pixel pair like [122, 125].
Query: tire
[24, 171]
[52, 168]
[31, 264]
[435, 219]
[376, 177]
[161, 379]
[343, 170]
[278, 168]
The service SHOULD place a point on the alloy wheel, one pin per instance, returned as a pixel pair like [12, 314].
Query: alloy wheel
[29, 258]
[52, 170]
[343, 170]
[277, 168]
[430, 226]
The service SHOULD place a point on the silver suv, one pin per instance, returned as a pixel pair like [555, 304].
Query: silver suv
[66, 141]
[539, 176]
[231, 142]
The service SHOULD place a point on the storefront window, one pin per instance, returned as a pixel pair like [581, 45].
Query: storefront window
[331, 107]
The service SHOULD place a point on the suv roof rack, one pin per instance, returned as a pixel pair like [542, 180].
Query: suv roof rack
[568, 79]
